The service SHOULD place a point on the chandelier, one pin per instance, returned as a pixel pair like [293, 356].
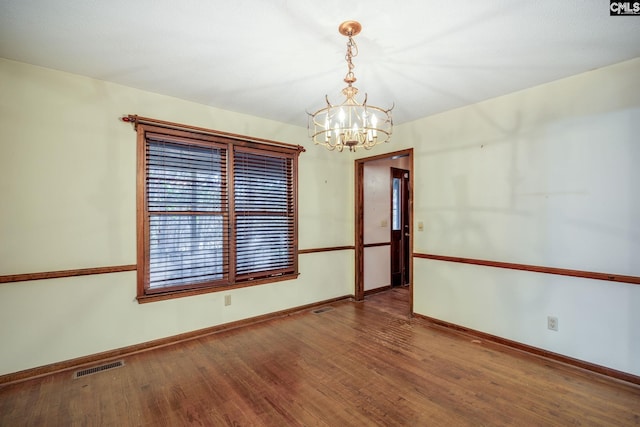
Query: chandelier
[350, 124]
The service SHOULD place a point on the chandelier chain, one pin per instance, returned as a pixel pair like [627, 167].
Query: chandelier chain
[352, 52]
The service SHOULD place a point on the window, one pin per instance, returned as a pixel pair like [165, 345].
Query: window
[263, 214]
[214, 212]
[395, 205]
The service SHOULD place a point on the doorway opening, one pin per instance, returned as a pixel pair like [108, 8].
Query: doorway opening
[383, 224]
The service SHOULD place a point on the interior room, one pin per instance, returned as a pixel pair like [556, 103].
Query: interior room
[491, 223]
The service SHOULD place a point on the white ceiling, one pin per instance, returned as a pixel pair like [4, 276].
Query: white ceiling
[278, 58]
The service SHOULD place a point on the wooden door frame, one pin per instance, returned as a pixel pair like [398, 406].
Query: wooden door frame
[359, 221]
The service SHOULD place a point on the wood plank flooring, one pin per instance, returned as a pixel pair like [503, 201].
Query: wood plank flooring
[357, 364]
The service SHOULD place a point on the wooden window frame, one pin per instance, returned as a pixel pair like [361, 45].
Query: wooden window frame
[189, 135]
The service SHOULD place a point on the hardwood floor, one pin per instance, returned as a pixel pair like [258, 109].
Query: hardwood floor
[357, 364]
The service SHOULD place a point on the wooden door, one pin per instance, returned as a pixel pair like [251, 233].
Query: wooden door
[399, 227]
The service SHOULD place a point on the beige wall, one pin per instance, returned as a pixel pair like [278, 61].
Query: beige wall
[67, 177]
[545, 176]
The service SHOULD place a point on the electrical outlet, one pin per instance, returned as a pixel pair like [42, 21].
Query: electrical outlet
[227, 300]
[552, 323]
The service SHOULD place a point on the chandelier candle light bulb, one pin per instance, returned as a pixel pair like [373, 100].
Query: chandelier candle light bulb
[353, 125]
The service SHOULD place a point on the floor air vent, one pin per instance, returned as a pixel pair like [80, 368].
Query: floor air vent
[96, 369]
[322, 310]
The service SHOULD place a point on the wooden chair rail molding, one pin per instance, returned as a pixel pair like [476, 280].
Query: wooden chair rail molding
[635, 280]
[373, 245]
[328, 249]
[66, 273]
[120, 268]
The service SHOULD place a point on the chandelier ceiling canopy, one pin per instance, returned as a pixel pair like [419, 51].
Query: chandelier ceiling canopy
[350, 124]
